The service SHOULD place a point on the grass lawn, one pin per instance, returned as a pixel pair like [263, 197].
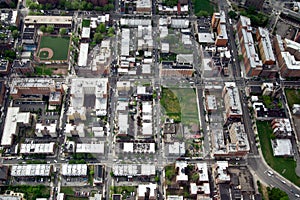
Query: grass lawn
[284, 166]
[59, 46]
[43, 70]
[86, 23]
[67, 190]
[180, 104]
[203, 5]
[32, 192]
[293, 96]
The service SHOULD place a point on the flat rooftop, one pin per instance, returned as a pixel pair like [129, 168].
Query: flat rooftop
[30, 170]
[55, 20]
[13, 117]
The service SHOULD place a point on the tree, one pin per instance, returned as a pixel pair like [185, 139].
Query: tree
[195, 177]
[50, 29]
[98, 37]
[232, 14]
[15, 34]
[43, 28]
[276, 193]
[101, 28]
[62, 31]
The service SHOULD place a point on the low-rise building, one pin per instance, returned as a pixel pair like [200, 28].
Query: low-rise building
[22, 68]
[282, 147]
[239, 144]
[14, 119]
[4, 67]
[31, 170]
[23, 87]
[37, 148]
[148, 191]
[171, 69]
[130, 147]
[42, 130]
[176, 149]
[75, 130]
[180, 167]
[83, 54]
[233, 107]
[130, 170]
[57, 21]
[72, 170]
[97, 148]
[296, 109]
[221, 174]
[282, 127]
[144, 6]
[210, 103]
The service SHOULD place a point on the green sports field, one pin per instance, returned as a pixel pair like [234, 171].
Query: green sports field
[59, 46]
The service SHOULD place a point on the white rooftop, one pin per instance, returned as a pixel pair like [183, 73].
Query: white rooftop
[133, 170]
[232, 97]
[290, 61]
[181, 165]
[13, 117]
[74, 170]
[37, 148]
[90, 86]
[177, 148]
[86, 31]
[83, 54]
[90, 148]
[30, 170]
[125, 38]
[203, 172]
[142, 189]
[282, 147]
[222, 170]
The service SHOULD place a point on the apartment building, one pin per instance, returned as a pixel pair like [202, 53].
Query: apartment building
[219, 24]
[252, 62]
[233, 107]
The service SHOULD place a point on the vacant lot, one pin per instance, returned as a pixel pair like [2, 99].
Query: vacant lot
[284, 166]
[293, 96]
[180, 104]
[59, 46]
[204, 6]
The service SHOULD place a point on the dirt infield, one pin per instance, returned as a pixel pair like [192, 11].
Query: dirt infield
[50, 53]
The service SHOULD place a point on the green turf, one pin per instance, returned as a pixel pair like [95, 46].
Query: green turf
[293, 96]
[203, 5]
[43, 70]
[284, 166]
[59, 46]
[180, 104]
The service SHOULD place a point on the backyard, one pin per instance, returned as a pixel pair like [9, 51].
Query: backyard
[180, 104]
[293, 96]
[32, 192]
[58, 45]
[126, 191]
[284, 166]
